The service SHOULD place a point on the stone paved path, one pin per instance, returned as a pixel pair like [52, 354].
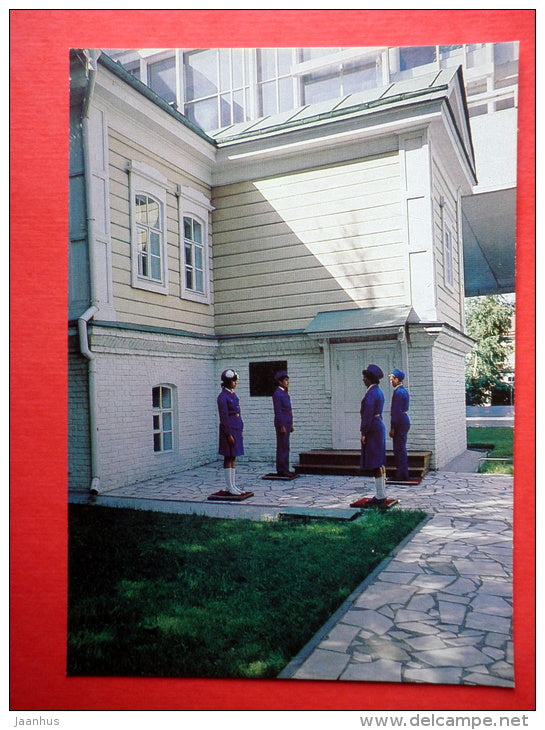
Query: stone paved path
[438, 611]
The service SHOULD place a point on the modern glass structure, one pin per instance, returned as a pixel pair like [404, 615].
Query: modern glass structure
[217, 87]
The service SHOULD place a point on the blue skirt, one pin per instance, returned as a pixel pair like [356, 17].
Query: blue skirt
[226, 449]
[373, 452]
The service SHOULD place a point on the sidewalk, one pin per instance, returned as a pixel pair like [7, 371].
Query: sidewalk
[490, 416]
[439, 610]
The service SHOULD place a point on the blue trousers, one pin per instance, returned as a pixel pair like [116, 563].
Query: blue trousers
[400, 452]
[282, 451]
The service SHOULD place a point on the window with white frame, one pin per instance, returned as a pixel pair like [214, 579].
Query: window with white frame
[217, 86]
[448, 258]
[275, 89]
[413, 56]
[193, 255]
[163, 418]
[162, 78]
[149, 234]
[194, 252]
[147, 191]
[349, 78]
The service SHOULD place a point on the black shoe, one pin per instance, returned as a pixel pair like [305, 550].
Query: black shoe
[380, 503]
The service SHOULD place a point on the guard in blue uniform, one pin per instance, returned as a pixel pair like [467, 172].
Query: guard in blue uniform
[373, 432]
[283, 423]
[231, 426]
[400, 424]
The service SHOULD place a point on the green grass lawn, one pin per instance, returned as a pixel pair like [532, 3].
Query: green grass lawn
[497, 442]
[155, 594]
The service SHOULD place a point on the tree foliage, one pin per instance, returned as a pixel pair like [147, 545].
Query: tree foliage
[488, 322]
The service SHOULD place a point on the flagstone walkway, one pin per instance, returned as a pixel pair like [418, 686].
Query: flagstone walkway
[439, 610]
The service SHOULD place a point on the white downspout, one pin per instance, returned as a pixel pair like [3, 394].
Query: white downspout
[402, 339]
[86, 352]
[91, 58]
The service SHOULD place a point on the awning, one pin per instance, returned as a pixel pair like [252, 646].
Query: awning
[489, 221]
[354, 322]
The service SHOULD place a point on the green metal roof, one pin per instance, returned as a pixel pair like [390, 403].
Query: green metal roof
[357, 320]
[423, 88]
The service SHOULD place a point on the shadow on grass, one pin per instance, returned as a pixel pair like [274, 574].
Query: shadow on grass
[155, 594]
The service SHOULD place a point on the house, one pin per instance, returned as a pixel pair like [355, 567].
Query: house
[322, 238]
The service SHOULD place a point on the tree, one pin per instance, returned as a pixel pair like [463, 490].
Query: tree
[488, 321]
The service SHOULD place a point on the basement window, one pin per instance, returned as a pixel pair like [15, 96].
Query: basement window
[163, 418]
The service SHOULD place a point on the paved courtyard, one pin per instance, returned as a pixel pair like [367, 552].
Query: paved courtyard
[439, 610]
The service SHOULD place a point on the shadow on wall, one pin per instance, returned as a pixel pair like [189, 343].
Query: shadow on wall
[289, 247]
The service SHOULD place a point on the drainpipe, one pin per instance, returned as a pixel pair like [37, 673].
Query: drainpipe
[91, 57]
[86, 352]
[402, 339]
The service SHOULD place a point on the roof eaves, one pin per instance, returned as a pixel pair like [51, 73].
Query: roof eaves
[470, 159]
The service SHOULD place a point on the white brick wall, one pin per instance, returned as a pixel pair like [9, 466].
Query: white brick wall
[130, 363]
[436, 384]
[79, 451]
[420, 384]
[124, 385]
[311, 405]
[449, 388]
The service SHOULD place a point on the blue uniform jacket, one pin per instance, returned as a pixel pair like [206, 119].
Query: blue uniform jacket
[229, 412]
[373, 452]
[400, 406]
[230, 424]
[371, 407]
[283, 415]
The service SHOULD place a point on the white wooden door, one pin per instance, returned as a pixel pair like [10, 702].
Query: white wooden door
[347, 387]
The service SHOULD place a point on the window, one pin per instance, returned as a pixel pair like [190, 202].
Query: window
[450, 56]
[133, 68]
[348, 79]
[275, 84]
[193, 255]
[163, 418]
[505, 52]
[194, 251]
[416, 56]
[309, 54]
[448, 259]
[476, 54]
[162, 78]
[147, 191]
[262, 374]
[478, 110]
[502, 104]
[216, 86]
[149, 234]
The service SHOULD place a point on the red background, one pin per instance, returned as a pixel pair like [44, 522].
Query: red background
[39, 86]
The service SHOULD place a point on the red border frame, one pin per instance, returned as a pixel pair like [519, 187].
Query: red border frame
[39, 41]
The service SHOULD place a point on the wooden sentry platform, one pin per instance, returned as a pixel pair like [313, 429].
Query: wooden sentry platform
[370, 503]
[347, 463]
[225, 496]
